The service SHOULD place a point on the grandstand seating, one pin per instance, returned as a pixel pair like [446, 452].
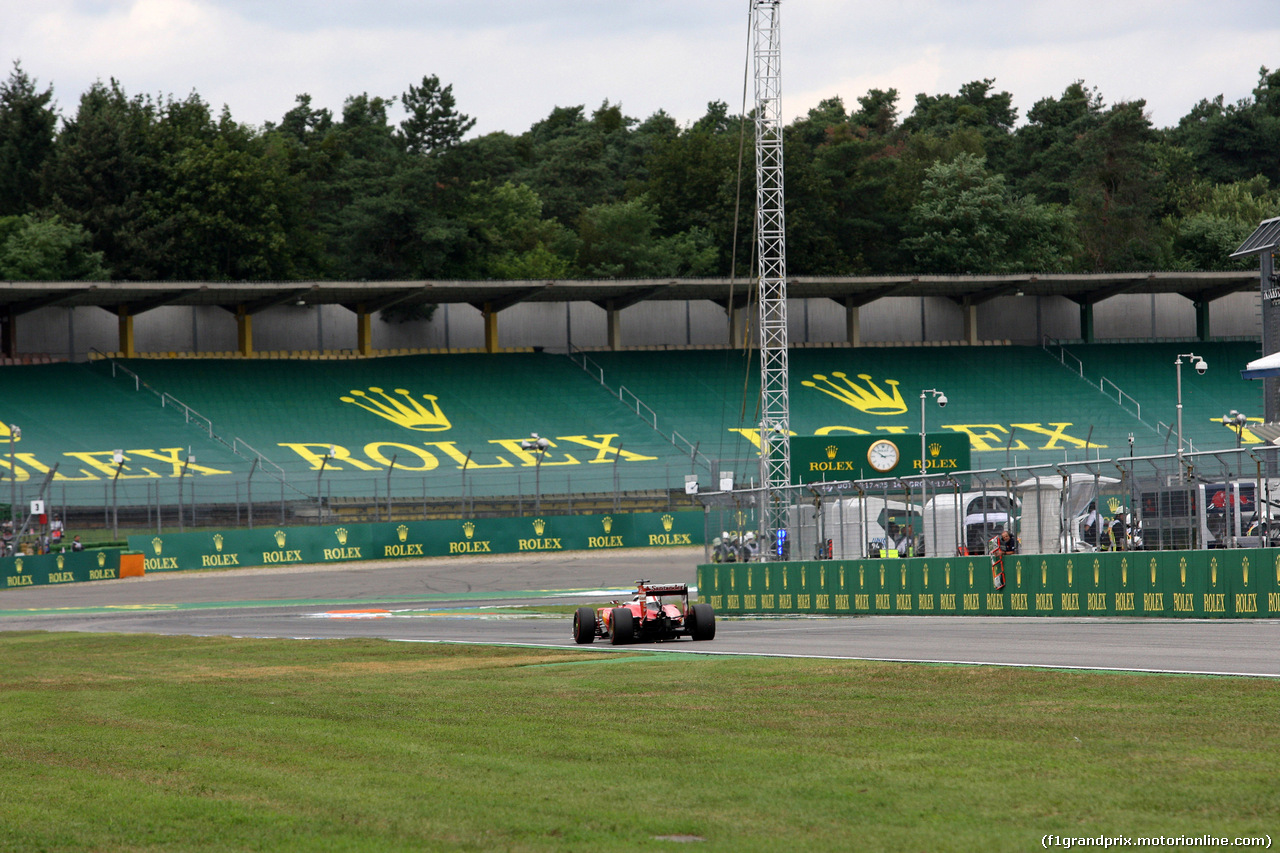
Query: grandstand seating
[292, 409]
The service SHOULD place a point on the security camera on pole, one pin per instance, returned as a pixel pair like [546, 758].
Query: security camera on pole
[1201, 366]
[539, 446]
[942, 402]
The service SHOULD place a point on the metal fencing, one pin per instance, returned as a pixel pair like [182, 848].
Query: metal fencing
[259, 497]
[1210, 499]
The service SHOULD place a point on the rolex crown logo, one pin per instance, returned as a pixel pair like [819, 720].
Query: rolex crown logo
[102, 559]
[468, 529]
[280, 537]
[408, 413]
[1114, 504]
[872, 399]
[217, 542]
[539, 526]
[157, 545]
[402, 532]
[831, 451]
[667, 522]
[17, 564]
[935, 449]
[607, 521]
[61, 561]
[341, 533]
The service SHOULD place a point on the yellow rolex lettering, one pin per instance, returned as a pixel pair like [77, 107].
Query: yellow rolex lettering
[605, 448]
[89, 457]
[317, 457]
[980, 440]
[529, 459]
[450, 448]
[20, 473]
[30, 460]
[1058, 432]
[171, 456]
[374, 451]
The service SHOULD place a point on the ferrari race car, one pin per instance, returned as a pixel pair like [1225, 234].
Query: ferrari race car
[647, 617]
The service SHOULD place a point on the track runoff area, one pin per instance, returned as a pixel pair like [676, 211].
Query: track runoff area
[528, 600]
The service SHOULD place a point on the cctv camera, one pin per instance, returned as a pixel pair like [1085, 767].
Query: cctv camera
[1201, 366]
[942, 401]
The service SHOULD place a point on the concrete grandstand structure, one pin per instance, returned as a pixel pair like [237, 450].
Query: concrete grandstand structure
[68, 320]
[292, 400]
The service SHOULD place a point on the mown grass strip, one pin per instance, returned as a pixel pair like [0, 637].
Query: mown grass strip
[193, 743]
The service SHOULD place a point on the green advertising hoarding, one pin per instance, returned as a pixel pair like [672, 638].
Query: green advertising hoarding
[868, 457]
[273, 546]
[1243, 583]
[71, 567]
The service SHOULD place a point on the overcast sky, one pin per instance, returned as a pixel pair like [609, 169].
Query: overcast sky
[510, 62]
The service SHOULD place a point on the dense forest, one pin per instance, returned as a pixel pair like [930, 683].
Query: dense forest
[134, 187]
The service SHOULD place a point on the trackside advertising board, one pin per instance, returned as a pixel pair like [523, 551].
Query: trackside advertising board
[1238, 583]
[870, 457]
[70, 567]
[329, 543]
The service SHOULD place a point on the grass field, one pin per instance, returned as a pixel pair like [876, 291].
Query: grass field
[143, 743]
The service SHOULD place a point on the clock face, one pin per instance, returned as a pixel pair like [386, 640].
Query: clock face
[883, 455]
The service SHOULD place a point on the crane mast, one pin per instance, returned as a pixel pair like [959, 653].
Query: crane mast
[771, 242]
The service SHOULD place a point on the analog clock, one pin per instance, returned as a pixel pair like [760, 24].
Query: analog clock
[883, 455]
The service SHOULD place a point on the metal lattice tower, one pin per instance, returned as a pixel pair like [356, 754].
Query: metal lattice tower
[771, 240]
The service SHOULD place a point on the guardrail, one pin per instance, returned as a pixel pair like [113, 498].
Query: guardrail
[675, 438]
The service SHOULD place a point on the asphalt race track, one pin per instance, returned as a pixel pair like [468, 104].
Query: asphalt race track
[467, 600]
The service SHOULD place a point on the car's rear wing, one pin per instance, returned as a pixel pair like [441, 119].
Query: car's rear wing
[663, 588]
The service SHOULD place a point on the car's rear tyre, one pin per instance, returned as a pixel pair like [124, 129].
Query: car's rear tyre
[624, 626]
[584, 626]
[702, 622]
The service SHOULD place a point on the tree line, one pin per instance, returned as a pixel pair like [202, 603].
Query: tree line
[138, 187]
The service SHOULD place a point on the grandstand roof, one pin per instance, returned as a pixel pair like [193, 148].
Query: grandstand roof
[19, 297]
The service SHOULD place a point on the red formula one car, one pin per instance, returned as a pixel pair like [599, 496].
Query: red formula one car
[647, 617]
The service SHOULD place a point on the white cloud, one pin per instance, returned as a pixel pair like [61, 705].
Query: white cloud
[511, 62]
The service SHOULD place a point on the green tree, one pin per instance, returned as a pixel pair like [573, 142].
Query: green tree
[47, 249]
[975, 108]
[27, 125]
[619, 240]
[103, 164]
[1043, 157]
[967, 220]
[1117, 193]
[1234, 142]
[434, 124]
[692, 183]
[513, 240]
[1228, 213]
